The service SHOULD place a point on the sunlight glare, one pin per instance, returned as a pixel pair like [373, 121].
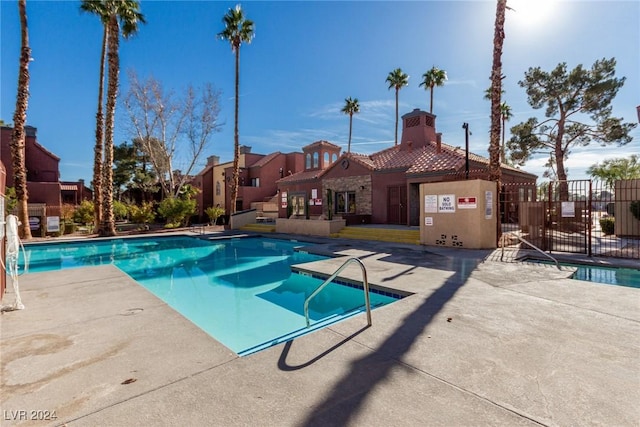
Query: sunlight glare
[531, 12]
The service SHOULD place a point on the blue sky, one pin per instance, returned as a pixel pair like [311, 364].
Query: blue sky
[307, 57]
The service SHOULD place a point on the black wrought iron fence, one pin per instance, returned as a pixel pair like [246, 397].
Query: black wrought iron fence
[588, 217]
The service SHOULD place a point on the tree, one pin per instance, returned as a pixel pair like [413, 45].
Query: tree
[578, 112]
[19, 121]
[237, 30]
[117, 13]
[124, 167]
[351, 107]
[165, 126]
[432, 78]
[98, 8]
[505, 116]
[397, 79]
[612, 170]
[495, 172]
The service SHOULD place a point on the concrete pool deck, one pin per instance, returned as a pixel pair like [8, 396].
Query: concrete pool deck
[479, 342]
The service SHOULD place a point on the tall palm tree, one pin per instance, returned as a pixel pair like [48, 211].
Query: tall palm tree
[397, 79]
[98, 8]
[432, 78]
[19, 121]
[505, 116]
[495, 173]
[237, 30]
[351, 107]
[117, 15]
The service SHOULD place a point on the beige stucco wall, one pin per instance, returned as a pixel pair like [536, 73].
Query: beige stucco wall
[218, 176]
[457, 223]
[309, 227]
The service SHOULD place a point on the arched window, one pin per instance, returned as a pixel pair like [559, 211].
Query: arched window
[326, 159]
[315, 159]
[308, 162]
[334, 157]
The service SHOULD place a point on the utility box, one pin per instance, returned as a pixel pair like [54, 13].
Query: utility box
[459, 214]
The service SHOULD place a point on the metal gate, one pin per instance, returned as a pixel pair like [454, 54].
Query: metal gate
[586, 217]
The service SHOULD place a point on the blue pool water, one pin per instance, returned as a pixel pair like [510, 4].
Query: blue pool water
[610, 276]
[240, 291]
[607, 275]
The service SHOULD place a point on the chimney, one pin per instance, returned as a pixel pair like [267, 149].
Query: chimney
[245, 149]
[213, 160]
[439, 142]
[30, 131]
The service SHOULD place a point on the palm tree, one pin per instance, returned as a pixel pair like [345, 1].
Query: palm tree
[114, 14]
[397, 79]
[19, 120]
[351, 107]
[505, 116]
[98, 8]
[237, 30]
[495, 173]
[432, 78]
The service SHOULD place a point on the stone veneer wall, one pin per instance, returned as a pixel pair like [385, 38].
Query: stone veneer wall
[351, 183]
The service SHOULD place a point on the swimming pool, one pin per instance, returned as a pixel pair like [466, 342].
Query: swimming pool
[242, 292]
[606, 275]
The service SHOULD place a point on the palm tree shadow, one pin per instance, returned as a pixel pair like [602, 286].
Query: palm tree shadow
[346, 398]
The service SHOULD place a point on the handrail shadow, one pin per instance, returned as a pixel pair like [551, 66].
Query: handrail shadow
[282, 360]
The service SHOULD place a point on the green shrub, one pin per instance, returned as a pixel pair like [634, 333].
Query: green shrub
[69, 228]
[120, 210]
[176, 210]
[607, 225]
[142, 214]
[84, 213]
[214, 213]
[10, 200]
[635, 209]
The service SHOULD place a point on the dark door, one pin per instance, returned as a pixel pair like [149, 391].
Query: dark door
[397, 205]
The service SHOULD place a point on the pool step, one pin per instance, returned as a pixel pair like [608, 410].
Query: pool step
[259, 228]
[410, 236]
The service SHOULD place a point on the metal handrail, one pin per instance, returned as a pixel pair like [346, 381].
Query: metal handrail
[530, 244]
[365, 284]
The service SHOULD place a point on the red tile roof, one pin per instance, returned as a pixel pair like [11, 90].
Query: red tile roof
[419, 160]
[303, 176]
[266, 159]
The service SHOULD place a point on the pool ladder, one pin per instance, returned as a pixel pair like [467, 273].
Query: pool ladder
[365, 284]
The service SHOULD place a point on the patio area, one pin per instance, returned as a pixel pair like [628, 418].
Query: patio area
[480, 342]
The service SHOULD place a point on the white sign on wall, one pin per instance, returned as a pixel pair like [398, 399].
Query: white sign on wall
[428, 220]
[447, 203]
[488, 205]
[431, 203]
[53, 224]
